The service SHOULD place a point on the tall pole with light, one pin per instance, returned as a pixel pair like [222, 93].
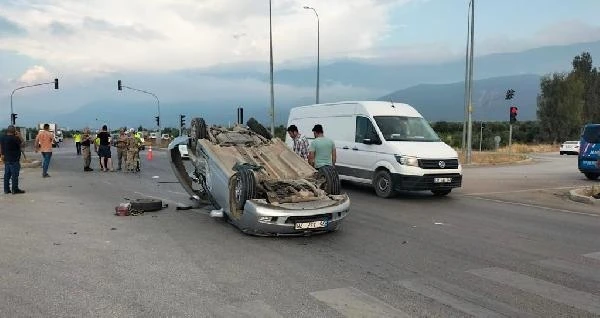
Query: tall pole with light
[271, 72]
[120, 87]
[318, 46]
[470, 108]
[13, 116]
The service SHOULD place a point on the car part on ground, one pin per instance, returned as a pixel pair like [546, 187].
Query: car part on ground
[261, 185]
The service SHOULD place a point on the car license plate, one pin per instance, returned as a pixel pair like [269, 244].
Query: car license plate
[311, 225]
[442, 180]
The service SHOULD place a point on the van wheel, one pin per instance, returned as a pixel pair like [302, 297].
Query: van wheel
[383, 184]
[591, 176]
[332, 183]
[244, 187]
[441, 192]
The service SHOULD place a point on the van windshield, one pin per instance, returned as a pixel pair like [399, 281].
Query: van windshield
[591, 134]
[399, 128]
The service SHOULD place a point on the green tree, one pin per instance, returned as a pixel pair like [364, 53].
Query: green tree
[584, 71]
[560, 106]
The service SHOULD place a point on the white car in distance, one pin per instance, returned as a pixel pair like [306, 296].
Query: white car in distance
[569, 147]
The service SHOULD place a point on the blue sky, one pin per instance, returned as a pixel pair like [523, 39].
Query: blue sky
[444, 21]
[87, 44]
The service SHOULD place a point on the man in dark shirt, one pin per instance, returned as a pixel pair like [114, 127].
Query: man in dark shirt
[10, 148]
[104, 150]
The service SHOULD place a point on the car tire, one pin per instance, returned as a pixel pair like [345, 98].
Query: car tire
[198, 130]
[562, 153]
[146, 205]
[441, 192]
[256, 127]
[383, 184]
[332, 183]
[591, 176]
[244, 187]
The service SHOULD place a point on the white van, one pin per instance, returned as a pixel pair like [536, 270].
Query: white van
[388, 145]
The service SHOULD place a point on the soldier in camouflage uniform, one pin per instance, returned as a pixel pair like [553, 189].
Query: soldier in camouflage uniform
[133, 148]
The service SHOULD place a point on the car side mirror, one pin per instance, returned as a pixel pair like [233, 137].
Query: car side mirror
[367, 141]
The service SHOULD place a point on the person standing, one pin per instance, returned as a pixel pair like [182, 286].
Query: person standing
[10, 150]
[121, 148]
[43, 143]
[300, 142]
[86, 149]
[321, 151]
[104, 149]
[132, 148]
[77, 139]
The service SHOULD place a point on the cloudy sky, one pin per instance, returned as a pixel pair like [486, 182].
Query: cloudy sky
[83, 41]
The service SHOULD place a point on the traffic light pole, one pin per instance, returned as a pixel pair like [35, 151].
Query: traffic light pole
[157, 104]
[509, 139]
[12, 113]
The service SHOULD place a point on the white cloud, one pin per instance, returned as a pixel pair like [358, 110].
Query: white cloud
[161, 35]
[35, 74]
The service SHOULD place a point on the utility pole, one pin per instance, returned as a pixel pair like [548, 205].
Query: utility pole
[318, 47]
[463, 145]
[271, 71]
[470, 110]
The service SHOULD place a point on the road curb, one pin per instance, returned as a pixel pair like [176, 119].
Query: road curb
[577, 196]
[529, 159]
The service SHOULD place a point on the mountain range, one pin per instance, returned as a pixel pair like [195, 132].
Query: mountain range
[436, 90]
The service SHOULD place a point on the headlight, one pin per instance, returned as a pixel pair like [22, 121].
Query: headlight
[407, 161]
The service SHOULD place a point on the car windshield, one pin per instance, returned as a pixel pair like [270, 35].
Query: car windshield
[591, 134]
[399, 128]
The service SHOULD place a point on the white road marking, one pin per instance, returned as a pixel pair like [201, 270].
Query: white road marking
[554, 292]
[537, 206]
[593, 255]
[584, 271]
[448, 299]
[352, 302]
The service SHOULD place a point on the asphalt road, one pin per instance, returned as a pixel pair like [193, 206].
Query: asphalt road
[505, 245]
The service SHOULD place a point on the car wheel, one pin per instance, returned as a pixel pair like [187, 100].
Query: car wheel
[591, 176]
[441, 192]
[383, 184]
[198, 130]
[332, 183]
[562, 153]
[146, 205]
[256, 127]
[244, 187]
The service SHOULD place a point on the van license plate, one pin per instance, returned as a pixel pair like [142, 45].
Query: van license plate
[311, 225]
[442, 180]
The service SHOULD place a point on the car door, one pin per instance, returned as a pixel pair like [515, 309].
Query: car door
[365, 149]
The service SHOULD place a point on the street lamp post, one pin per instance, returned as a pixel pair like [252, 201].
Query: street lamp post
[318, 46]
[12, 113]
[470, 89]
[120, 86]
[271, 72]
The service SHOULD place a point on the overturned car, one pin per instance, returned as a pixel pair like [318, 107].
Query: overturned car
[261, 185]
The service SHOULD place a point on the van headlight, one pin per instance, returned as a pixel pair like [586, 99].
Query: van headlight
[407, 160]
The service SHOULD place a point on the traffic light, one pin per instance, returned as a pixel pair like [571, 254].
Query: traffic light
[13, 118]
[510, 94]
[119, 86]
[513, 114]
[157, 120]
[182, 121]
[56, 83]
[240, 115]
